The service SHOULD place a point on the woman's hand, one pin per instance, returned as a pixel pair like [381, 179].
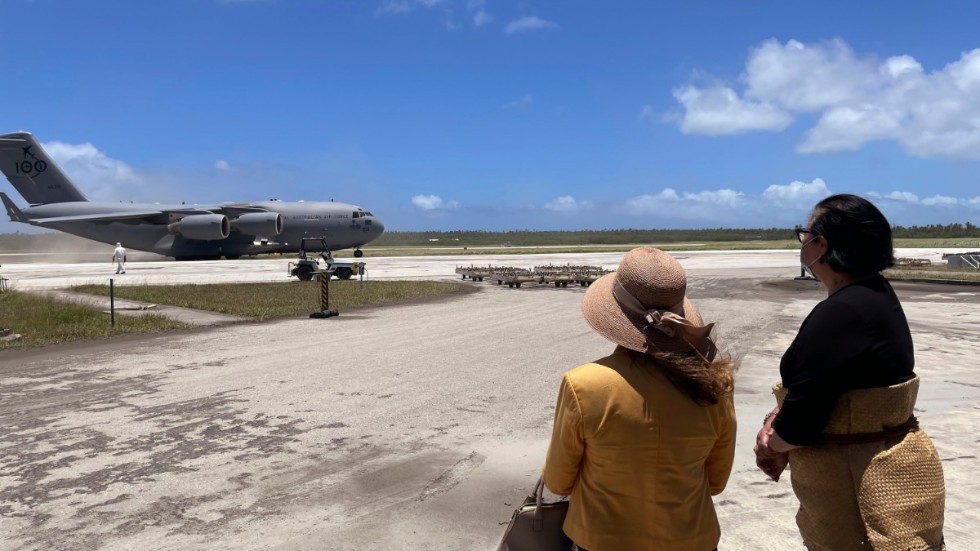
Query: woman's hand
[769, 461]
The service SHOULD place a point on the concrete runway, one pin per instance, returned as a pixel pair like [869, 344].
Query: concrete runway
[412, 427]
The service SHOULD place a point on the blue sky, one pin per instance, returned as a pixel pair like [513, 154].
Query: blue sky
[500, 115]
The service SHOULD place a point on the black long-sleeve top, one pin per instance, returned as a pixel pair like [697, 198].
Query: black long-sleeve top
[856, 338]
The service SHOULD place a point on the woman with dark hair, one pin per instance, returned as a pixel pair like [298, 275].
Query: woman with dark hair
[645, 436]
[865, 474]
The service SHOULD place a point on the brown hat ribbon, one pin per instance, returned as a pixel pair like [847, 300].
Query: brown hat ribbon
[673, 326]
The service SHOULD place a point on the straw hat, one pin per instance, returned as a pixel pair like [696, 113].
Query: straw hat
[642, 306]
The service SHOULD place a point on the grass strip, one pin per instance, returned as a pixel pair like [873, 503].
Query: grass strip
[278, 300]
[935, 272]
[43, 321]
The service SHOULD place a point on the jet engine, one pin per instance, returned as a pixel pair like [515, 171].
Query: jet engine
[264, 224]
[206, 227]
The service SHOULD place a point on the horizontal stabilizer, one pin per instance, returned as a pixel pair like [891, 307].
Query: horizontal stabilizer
[12, 211]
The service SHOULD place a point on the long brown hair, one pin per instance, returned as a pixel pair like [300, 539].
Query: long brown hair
[705, 383]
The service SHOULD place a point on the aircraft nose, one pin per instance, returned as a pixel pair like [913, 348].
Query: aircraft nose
[379, 227]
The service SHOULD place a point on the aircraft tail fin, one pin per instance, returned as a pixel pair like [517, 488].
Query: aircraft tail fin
[12, 211]
[32, 173]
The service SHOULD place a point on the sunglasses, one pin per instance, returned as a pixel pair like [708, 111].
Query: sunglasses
[801, 233]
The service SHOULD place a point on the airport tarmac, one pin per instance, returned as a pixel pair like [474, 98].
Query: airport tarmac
[411, 427]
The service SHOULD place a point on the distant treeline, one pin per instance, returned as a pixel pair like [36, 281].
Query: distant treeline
[937, 231]
[583, 237]
[48, 241]
[634, 236]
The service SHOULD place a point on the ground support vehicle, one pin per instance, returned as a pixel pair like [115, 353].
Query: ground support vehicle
[308, 267]
[341, 269]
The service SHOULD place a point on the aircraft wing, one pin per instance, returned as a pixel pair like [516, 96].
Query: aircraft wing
[102, 216]
[164, 214]
[231, 210]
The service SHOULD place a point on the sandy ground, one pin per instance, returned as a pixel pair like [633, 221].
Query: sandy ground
[412, 427]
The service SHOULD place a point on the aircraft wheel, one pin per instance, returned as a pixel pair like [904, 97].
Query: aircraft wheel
[564, 284]
[557, 284]
[358, 253]
[304, 273]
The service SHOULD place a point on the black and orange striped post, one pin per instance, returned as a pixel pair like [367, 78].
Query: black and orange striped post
[325, 311]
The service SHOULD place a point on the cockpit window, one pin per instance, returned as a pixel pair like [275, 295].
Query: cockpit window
[356, 214]
[368, 213]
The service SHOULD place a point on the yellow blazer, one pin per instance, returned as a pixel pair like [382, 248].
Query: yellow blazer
[639, 458]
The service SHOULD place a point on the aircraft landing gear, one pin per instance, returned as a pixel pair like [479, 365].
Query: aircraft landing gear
[358, 253]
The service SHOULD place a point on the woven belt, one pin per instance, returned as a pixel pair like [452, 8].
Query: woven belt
[911, 425]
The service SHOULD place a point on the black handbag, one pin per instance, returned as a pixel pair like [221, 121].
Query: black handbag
[537, 525]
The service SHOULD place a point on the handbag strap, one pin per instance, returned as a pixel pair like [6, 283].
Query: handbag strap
[537, 523]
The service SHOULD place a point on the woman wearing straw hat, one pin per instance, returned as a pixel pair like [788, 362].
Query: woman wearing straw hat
[644, 437]
[865, 475]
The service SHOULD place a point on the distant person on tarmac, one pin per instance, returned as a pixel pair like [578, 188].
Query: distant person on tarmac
[119, 257]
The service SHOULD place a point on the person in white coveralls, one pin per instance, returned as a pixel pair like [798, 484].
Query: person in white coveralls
[119, 257]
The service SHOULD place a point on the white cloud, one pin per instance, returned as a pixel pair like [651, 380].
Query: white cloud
[522, 103]
[647, 113]
[475, 10]
[482, 17]
[433, 203]
[101, 177]
[940, 200]
[528, 23]
[395, 7]
[712, 208]
[796, 194]
[222, 164]
[857, 99]
[906, 196]
[719, 110]
[848, 128]
[725, 197]
[901, 65]
[780, 205]
[568, 205]
[427, 202]
[798, 77]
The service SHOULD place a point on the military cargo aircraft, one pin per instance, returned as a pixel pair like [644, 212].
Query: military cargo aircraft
[185, 232]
